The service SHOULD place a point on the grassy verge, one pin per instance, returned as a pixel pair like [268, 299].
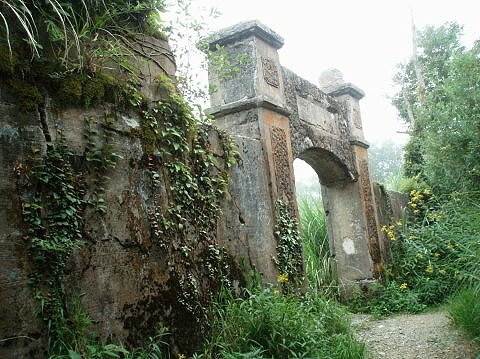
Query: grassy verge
[266, 324]
[464, 309]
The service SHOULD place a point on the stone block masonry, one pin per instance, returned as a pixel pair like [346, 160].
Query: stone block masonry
[286, 117]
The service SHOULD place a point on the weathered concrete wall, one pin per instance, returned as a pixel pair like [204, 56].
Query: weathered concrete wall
[246, 227]
[250, 106]
[124, 278]
[121, 275]
[391, 208]
[18, 132]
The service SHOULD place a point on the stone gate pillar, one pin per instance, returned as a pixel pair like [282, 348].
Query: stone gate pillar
[332, 83]
[249, 102]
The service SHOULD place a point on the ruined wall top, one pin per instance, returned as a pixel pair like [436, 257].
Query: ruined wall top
[244, 30]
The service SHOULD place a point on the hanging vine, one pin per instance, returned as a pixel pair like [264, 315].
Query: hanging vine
[184, 223]
[289, 248]
[53, 219]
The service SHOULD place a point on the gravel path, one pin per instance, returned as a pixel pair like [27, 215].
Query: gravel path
[422, 336]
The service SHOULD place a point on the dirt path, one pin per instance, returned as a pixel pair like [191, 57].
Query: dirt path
[422, 336]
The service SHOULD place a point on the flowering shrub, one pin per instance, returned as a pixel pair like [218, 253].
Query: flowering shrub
[420, 201]
[432, 252]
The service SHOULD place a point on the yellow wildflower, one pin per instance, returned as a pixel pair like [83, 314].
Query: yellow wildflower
[416, 211]
[182, 356]
[436, 254]
[282, 278]
[412, 237]
[427, 191]
[383, 229]
[399, 223]
[449, 246]
[403, 286]
[442, 271]
[276, 292]
[429, 269]
[419, 255]
[414, 205]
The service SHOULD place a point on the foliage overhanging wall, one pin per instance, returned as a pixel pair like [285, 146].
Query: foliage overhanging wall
[110, 187]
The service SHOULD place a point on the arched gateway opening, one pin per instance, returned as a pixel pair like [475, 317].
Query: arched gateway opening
[320, 266]
[275, 116]
[343, 223]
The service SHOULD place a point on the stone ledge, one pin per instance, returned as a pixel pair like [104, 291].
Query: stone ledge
[246, 104]
[244, 30]
[345, 89]
[356, 141]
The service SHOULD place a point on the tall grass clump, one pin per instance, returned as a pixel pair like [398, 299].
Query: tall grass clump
[464, 309]
[319, 265]
[266, 324]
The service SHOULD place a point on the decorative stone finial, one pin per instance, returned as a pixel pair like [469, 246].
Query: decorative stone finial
[331, 82]
[243, 30]
[330, 78]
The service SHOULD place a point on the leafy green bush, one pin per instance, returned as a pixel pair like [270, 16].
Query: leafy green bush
[439, 253]
[434, 254]
[266, 324]
[319, 266]
[385, 300]
[464, 309]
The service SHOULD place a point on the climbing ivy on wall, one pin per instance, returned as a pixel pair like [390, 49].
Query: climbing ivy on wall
[289, 260]
[53, 219]
[188, 168]
[183, 166]
[179, 151]
[100, 156]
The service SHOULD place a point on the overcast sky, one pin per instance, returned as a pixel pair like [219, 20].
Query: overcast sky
[364, 39]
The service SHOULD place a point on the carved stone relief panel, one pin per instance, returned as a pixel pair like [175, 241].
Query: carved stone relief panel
[270, 72]
[281, 163]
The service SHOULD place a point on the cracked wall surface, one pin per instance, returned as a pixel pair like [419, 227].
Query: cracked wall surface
[114, 269]
[123, 279]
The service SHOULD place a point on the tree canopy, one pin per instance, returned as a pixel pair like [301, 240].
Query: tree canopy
[438, 97]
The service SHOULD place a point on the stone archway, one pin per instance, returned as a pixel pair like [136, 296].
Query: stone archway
[276, 116]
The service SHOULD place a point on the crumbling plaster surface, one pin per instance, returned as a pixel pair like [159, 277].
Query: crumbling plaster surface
[120, 275]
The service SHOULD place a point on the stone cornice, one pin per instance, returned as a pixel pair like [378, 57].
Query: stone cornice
[356, 141]
[345, 89]
[244, 30]
[246, 104]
